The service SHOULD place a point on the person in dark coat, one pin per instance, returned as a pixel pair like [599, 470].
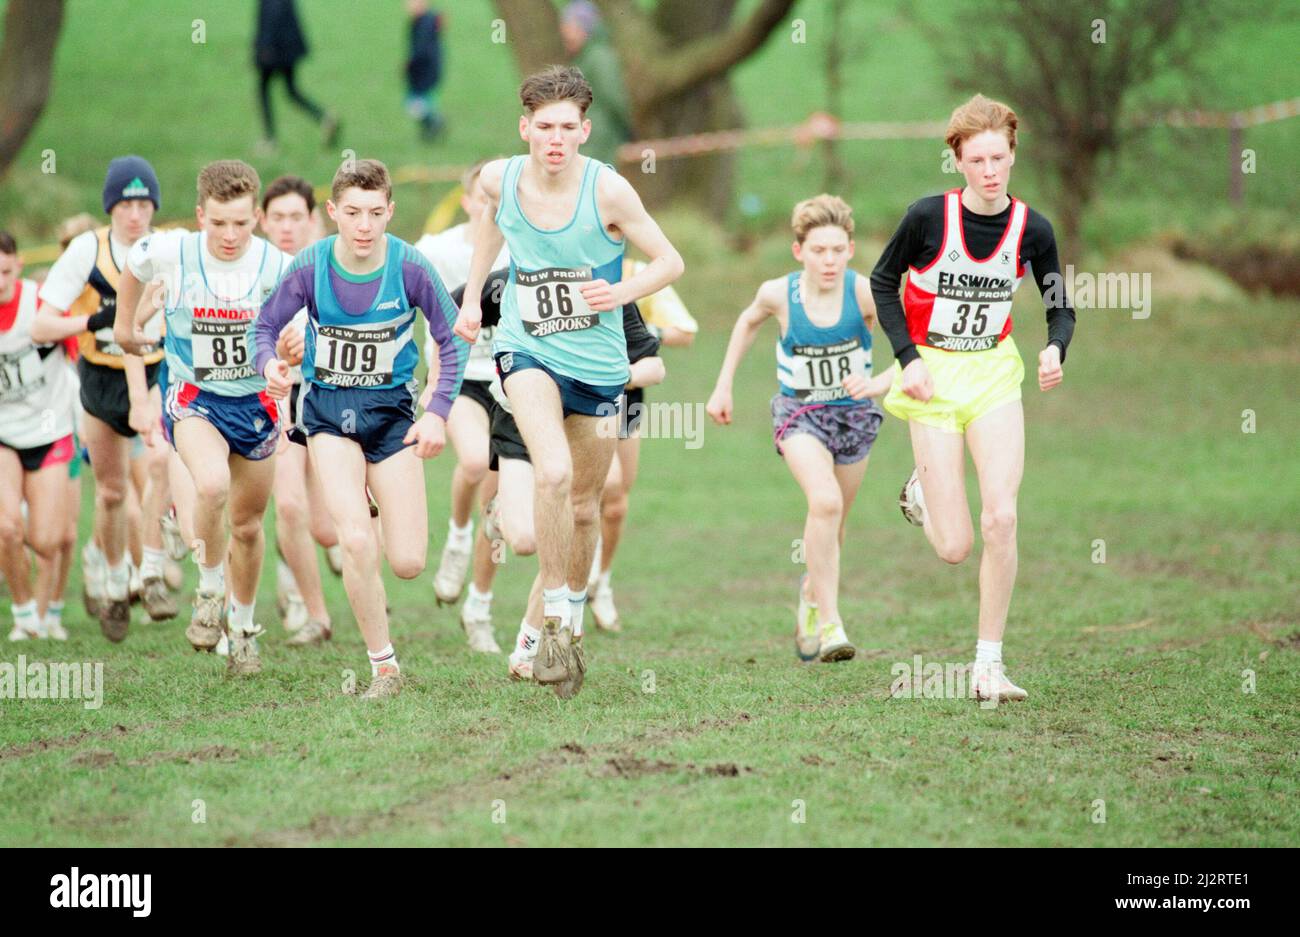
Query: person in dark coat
[424, 68]
[277, 48]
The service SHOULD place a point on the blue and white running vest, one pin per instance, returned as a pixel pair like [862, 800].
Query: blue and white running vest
[543, 314]
[375, 349]
[812, 361]
[210, 325]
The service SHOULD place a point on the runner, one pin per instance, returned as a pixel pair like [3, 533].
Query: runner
[667, 317]
[958, 370]
[823, 421]
[217, 414]
[449, 252]
[36, 445]
[79, 297]
[560, 348]
[288, 220]
[362, 289]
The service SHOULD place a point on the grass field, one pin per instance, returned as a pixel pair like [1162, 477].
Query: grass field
[1135, 666]
[182, 104]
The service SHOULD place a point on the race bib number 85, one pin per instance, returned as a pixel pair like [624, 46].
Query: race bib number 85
[20, 374]
[550, 300]
[347, 357]
[221, 351]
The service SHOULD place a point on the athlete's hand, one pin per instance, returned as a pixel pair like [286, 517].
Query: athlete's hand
[469, 322]
[143, 417]
[601, 295]
[719, 406]
[1049, 368]
[859, 387]
[429, 433]
[917, 382]
[133, 342]
[278, 384]
[291, 345]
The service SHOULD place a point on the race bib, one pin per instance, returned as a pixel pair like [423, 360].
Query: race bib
[550, 300]
[221, 351]
[817, 372]
[20, 374]
[969, 312]
[348, 357]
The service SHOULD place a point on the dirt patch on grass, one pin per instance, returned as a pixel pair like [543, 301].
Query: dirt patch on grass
[93, 758]
[193, 757]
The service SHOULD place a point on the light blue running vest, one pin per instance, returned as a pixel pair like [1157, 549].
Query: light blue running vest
[812, 361]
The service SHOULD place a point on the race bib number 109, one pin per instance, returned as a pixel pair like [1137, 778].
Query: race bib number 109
[550, 301]
[347, 357]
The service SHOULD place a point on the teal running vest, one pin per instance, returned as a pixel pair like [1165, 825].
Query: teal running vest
[543, 313]
[812, 361]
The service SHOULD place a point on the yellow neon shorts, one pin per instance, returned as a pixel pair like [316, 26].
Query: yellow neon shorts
[967, 385]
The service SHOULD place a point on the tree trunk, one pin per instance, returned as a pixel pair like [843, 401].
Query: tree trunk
[26, 60]
[533, 33]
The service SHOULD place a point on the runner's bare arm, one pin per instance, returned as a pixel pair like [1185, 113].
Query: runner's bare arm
[487, 245]
[866, 302]
[766, 303]
[144, 415]
[621, 209]
[131, 294]
[647, 372]
[52, 325]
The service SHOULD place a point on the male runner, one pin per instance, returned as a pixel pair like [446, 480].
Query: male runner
[217, 413]
[36, 394]
[958, 369]
[450, 252]
[79, 297]
[288, 220]
[823, 421]
[560, 348]
[362, 289]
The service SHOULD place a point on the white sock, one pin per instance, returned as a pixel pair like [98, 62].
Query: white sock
[461, 537]
[54, 614]
[385, 656]
[475, 597]
[93, 570]
[241, 616]
[555, 603]
[526, 643]
[118, 581]
[988, 652]
[577, 602]
[602, 581]
[284, 577]
[212, 579]
[25, 617]
[151, 564]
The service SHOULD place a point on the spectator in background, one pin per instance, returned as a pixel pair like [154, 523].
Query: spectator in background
[278, 46]
[589, 49]
[424, 68]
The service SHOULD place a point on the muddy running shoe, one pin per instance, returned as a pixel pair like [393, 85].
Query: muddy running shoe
[385, 685]
[989, 682]
[569, 688]
[552, 663]
[115, 619]
[208, 622]
[911, 500]
[478, 629]
[173, 542]
[312, 634]
[835, 644]
[807, 642]
[295, 614]
[449, 580]
[157, 600]
[244, 659]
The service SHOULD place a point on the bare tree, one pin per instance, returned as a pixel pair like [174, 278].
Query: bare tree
[1072, 69]
[26, 59]
[676, 58]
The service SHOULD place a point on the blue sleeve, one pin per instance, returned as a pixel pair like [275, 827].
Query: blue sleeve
[424, 288]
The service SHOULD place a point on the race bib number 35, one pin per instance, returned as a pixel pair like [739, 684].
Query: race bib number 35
[347, 357]
[20, 374]
[817, 372]
[221, 351]
[550, 301]
[966, 326]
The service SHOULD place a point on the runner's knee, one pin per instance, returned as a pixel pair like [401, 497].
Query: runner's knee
[407, 564]
[290, 513]
[554, 475]
[212, 488]
[246, 530]
[953, 550]
[826, 505]
[586, 510]
[11, 531]
[473, 468]
[614, 505]
[998, 525]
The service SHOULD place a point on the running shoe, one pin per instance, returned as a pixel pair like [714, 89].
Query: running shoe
[173, 542]
[387, 683]
[522, 657]
[477, 623]
[603, 610]
[157, 599]
[552, 663]
[911, 500]
[295, 613]
[55, 630]
[449, 580]
[989, 682]
[835, 644]
[311, 634]
[208, 622]
[807, 642]
[115, 619]
[244, 659]
[568, 689]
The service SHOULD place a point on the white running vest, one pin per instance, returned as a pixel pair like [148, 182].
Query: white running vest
[36, 394]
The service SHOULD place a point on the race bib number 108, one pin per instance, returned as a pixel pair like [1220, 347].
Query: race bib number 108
[550, 300]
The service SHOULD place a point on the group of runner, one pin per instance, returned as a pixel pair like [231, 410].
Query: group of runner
[217, 353]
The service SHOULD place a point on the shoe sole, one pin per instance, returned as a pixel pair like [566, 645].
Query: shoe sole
[838, 653]
[161, 616]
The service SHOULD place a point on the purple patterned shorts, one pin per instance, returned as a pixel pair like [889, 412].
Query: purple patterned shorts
[846, 430]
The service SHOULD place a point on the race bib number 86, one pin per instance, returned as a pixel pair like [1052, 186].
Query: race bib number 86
[550, 300]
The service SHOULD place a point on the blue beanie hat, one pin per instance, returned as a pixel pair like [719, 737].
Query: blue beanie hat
[130, 177]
